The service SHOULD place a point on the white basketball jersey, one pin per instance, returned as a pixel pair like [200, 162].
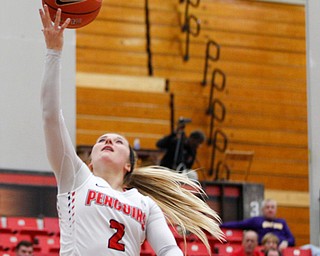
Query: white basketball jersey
[111, 222]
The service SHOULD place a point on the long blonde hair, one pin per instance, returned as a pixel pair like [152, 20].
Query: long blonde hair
[177, 196]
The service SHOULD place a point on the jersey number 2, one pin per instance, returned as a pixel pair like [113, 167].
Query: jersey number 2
[116, 237]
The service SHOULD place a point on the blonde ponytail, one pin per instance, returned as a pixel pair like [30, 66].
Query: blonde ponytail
[180, 204]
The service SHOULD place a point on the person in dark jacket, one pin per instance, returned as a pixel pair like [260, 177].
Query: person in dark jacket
[180, 150]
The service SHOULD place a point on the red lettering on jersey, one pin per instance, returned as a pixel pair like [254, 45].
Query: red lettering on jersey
[104, 200]
[108, 201]
[90, 197]
[117, 205]
[139, 216]
[100, 198]
[127, 209]
[134, 212]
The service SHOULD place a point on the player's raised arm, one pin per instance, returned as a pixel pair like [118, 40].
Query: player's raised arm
[60, 150]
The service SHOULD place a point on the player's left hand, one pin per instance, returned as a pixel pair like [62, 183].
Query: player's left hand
[52, 31]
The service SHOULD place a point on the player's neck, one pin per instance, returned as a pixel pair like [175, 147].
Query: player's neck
[115, 179]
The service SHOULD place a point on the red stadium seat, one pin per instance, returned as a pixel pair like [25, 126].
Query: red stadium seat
[233, 235]
[47, 244]
[25, 225]
[3, 225]
[51, 224]
[7, 253]
[194, 249]
[146, 249]
[296, 251]
[46, 254]
[9, 241]
[212, 241]
[226, 249]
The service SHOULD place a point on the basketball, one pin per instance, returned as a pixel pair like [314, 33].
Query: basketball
[81, 12]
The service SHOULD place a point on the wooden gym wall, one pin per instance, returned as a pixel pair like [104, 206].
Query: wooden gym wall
[262, 53]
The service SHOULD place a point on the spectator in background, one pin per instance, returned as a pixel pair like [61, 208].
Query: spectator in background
[272, 252]
[269, 241]
[24, 248]
[266, 223]
[180, 150]
[249, 245]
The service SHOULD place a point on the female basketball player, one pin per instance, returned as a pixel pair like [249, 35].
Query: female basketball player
[109, 207]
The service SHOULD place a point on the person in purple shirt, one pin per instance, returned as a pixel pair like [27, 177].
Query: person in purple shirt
[266, 223]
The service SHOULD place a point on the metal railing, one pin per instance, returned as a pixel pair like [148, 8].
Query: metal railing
[216, 109]
[211, 57]
[190, 32]
[217, 146]
[186, 12]
[215, 86]
[186, 26]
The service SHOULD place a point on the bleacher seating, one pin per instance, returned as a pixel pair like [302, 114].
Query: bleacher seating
[25, 225]
[47, 244]
[5, 253]
[233, 236]
[194, 248]
[3, 226]
[296, 251]
[46, 254]
[226, 249]
[46, 238]
[51, 224]
[8, 241]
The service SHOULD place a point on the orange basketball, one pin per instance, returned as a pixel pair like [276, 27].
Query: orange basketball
[81, 12]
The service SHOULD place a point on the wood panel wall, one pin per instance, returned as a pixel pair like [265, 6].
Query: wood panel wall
[115, 42]
[262, 53]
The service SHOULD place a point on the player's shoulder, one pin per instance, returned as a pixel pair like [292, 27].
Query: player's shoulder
[145, 203]
[134, 194]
